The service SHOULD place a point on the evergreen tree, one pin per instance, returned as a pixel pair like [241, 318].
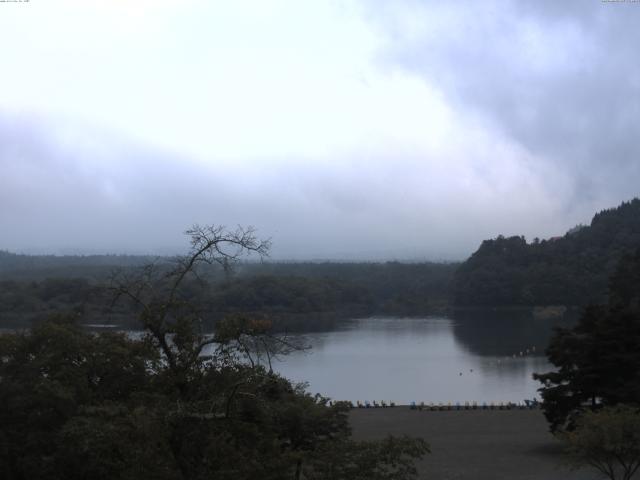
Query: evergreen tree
[598, 360]
[569, 270]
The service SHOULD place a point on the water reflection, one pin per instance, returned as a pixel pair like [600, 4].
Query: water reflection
[429, 359]
[504, 332]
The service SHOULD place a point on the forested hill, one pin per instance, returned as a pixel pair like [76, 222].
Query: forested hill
[15, 266]
[295, 295]
[568, 270]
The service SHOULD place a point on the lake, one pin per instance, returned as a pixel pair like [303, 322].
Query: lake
[486, 358]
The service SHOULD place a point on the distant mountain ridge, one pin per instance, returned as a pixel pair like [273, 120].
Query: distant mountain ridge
[568, 270]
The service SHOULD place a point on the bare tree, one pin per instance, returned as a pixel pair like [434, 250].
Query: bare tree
[174, 322]
[253, 339]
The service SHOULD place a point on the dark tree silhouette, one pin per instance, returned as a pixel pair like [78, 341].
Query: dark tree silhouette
[598, 360]
[175, 404]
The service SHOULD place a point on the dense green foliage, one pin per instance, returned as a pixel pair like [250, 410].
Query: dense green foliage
[23, 303]
[294, 295]
[74, 405]
[175, 403]
[598, 360]
[607, 440]
[571, 270]
[38, 267]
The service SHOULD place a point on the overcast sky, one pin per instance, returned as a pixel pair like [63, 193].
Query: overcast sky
[341, 129]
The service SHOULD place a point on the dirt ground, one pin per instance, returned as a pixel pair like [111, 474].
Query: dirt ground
[474, 444]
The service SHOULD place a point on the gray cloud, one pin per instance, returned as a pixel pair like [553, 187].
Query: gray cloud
[477, 118]
[561, 78]
[96, 193]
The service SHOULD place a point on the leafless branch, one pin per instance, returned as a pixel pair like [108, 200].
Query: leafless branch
[158, 294]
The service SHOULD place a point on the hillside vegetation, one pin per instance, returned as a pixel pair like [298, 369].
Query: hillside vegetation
[570, 270]
[296, 296]
[507, 271]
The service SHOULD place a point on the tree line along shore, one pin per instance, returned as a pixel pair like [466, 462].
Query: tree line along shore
[74, 404]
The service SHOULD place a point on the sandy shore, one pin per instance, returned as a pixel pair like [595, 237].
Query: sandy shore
[474, 444]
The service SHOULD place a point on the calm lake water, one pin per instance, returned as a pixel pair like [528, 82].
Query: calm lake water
[428, 359]
[482, 356]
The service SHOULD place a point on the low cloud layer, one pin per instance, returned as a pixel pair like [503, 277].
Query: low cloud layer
[413, 131]
[100, 195]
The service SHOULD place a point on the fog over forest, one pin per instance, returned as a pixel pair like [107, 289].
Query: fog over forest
[341, 130]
